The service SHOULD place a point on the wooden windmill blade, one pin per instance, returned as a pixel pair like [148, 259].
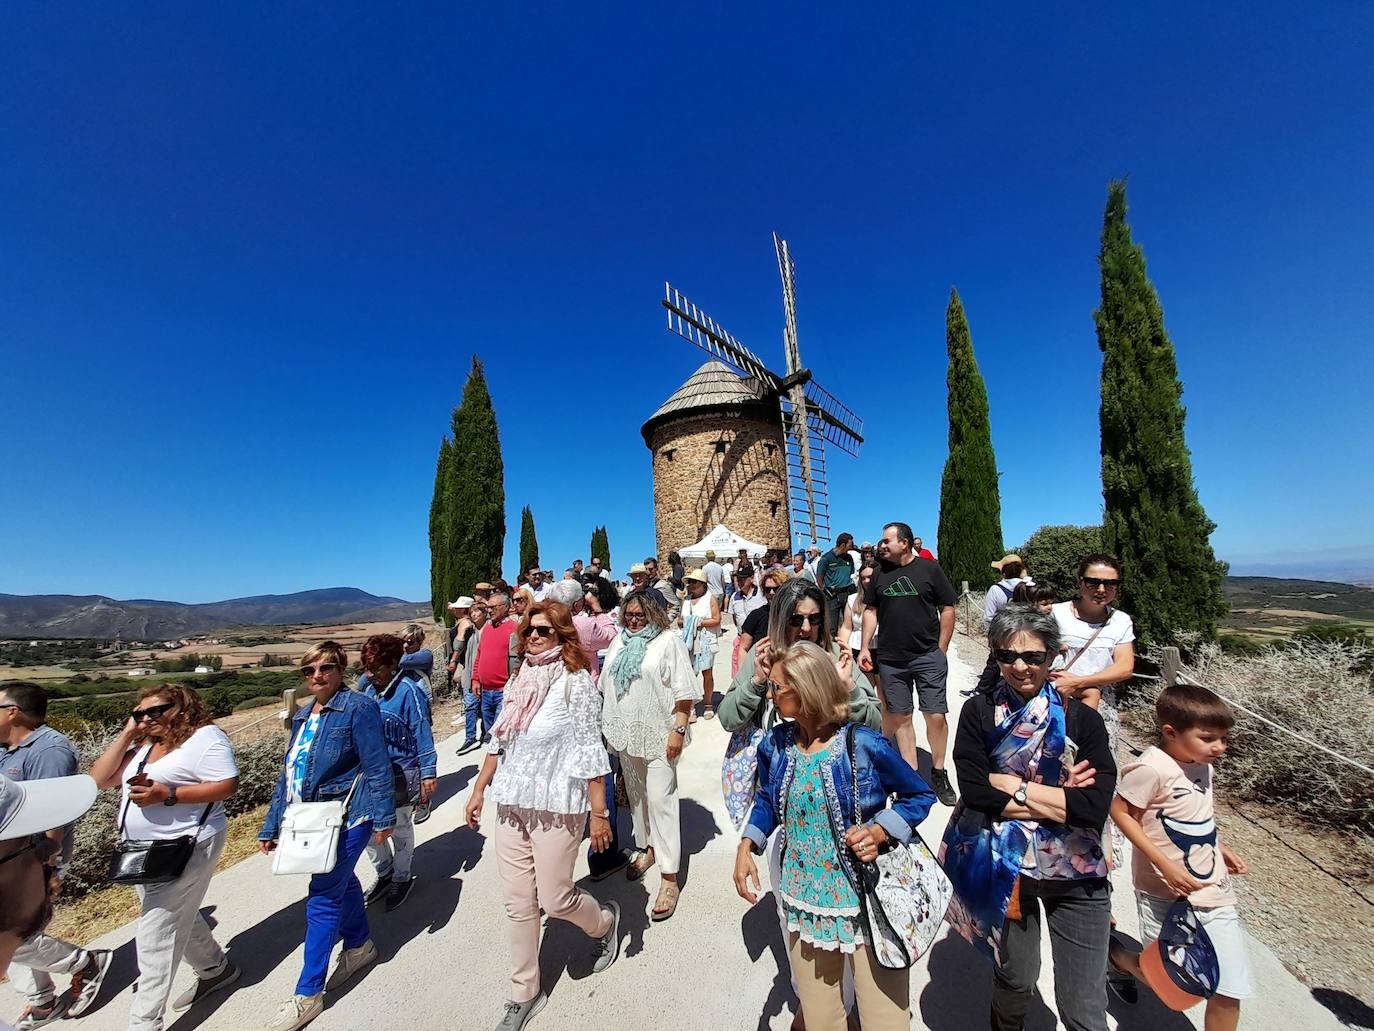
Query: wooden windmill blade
[840, 426]
[802, 488]
[694, 325]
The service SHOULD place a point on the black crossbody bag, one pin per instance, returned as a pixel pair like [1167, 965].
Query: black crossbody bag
[156, 861]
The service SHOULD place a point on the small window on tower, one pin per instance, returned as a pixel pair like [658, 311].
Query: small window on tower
[721, 445]
[773, 507]
[668, 453]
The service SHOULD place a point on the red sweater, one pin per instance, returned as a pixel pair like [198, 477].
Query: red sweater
[491, 668]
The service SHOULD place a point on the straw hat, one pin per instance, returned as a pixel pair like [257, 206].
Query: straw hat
[462, 603]
[697, 575]
[1010, 557]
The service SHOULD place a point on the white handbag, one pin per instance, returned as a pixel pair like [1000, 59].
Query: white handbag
[309, 838]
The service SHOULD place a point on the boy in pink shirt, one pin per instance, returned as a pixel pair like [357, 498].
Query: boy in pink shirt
[1164, 807]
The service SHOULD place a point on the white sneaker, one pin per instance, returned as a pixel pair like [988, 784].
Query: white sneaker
[350, 962]
[296, 1012]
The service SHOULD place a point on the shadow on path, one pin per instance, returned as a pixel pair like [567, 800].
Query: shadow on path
[762, 933]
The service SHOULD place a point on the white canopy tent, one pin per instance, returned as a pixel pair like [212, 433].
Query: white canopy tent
[725, 543]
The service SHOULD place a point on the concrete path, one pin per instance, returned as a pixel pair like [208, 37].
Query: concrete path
[718, 964]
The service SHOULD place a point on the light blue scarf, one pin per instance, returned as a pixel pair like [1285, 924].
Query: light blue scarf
[625, 670]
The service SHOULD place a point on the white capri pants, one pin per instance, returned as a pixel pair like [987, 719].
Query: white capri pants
[651, 785]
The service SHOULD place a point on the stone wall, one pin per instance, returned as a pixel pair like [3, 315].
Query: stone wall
[718, 468]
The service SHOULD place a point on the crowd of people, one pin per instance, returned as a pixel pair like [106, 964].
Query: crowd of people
[579, 690]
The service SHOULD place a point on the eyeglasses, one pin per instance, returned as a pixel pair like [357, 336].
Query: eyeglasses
[153, 712]
[542, 631]
[770, 590]
[323, 667]
[799, 620]
[1094, 581]
[637, 617]
[40, 843]
[374, 671]
[8, 705]
[1007, 657]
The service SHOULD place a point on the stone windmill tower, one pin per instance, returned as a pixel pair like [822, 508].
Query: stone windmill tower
[719, 458]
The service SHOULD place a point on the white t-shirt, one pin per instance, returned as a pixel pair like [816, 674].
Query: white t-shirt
[1075, 632]
[206, 756]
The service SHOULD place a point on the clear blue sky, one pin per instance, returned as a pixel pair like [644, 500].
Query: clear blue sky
[247, 251]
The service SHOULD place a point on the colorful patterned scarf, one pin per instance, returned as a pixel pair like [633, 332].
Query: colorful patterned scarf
[983, 856]
[525, 694]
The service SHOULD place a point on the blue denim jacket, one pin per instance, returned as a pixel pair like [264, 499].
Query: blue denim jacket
[349, 740]
[405, 722]
[883, 773]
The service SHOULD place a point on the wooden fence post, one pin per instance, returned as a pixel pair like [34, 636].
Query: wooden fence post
[1173, 662]
[288, 701]
[968, 610]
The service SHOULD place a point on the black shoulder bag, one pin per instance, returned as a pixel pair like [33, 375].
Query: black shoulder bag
[152, 862]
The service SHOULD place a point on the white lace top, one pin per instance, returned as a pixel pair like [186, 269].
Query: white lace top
[547, 767]
[638, 724]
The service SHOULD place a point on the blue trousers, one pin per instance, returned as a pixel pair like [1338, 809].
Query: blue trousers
[471, 707]
[600, 861]
[334, 910]
[491, 708]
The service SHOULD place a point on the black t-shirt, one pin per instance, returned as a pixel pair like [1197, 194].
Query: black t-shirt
[908, 600]
[756, 623]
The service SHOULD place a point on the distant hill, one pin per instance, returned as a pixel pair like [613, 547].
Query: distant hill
[143, 619]
[1324, 596]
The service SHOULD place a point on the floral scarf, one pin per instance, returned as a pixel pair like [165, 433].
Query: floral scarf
[525, 694]
[625, 670]
[983, 856]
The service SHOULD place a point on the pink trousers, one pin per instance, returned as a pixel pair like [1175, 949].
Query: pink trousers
[535, 853]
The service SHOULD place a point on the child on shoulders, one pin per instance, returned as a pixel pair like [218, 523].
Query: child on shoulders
[1164, 807]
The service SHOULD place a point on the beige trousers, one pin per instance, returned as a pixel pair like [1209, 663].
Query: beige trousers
[884, 996]
[651, 785]
[535, 853]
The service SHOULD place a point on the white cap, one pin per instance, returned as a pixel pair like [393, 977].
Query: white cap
[462, 603]
[33, 806]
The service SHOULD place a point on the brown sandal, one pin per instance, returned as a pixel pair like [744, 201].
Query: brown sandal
[639, 864]
[666, 905]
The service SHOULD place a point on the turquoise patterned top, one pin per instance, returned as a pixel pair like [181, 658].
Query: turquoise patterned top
[819, 901]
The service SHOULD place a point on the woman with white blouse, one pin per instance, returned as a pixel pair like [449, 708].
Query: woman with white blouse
[648, 687]
[546, 768]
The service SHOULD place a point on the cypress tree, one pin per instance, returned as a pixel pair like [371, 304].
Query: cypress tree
[601, 547]
[1152, 518]
[970, 533]
[438, 551]
[529, 543]
[474, 491]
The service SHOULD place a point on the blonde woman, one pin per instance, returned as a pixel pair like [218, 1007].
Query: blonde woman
[806, 792]
[174, 769]
[700, 622]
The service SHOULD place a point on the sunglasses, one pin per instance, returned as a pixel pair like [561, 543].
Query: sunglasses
[770, 590]
[800, 620]
[323, 667]
[153, 712]
[638, 617]
[542, 631]
[1094, 581]
[40, 843]
[1007, 657]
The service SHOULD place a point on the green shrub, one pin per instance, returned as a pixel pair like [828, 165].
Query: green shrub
[1239, 644]
[257, 703]
[1052, 554]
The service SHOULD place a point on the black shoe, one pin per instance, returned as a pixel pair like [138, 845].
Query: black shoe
[617, 862]
[468, 745]
[421, 812]
[378, 890]
[400, 891]
[944, 791]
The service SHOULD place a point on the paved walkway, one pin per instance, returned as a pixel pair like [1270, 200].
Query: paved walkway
[717, 964]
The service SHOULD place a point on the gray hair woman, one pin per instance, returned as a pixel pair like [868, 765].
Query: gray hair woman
[648, 689]
[1036, 777]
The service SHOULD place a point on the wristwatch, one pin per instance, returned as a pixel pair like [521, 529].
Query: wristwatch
[680, 730]
[1020, 795]
[171, 798]
[604, 814]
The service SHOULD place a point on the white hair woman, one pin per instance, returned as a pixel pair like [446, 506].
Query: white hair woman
[648, 690]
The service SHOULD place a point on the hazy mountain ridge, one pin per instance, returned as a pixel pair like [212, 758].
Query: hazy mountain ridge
[1324, 596]
[141, 619]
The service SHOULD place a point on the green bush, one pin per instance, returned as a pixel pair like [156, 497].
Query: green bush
[1239, 644]
[1052, 554]
[257, 703]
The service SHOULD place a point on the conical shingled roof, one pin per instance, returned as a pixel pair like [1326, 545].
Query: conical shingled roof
[713, 387]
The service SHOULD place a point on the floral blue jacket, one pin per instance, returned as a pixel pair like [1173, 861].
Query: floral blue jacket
[883, 773]
[349, 741]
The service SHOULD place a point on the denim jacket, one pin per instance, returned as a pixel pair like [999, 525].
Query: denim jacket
[349, 741]
[405, 722]
[883, 773]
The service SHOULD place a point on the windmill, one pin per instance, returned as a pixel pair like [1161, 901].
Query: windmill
[811, 415]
